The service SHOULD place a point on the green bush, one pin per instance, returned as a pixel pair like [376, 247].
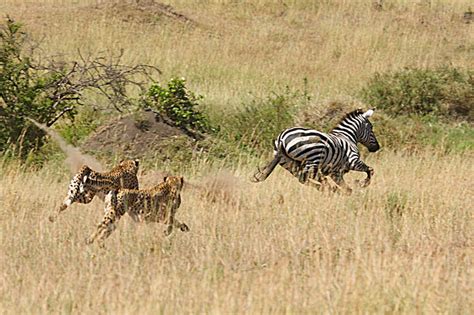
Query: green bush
[411, 134]
[85, 122]
[261, 120]
[445, 91]
[22, 93]
[48, 90]
[177, 104]
[399, 133]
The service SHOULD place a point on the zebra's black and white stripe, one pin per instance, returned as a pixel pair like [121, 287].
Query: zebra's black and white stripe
[311, 155]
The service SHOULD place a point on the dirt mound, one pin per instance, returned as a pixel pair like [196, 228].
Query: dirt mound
[132, 136]
[142, 11]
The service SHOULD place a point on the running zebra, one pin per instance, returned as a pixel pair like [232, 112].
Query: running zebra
[311, 155]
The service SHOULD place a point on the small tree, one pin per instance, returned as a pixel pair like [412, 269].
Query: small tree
[177, 106]
[445, 91]
[22, 91]
[47, 92]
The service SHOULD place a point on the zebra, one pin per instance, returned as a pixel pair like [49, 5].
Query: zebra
[311, 155]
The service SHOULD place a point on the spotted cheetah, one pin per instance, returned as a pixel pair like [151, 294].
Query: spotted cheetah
[123, 175]
[156, 204]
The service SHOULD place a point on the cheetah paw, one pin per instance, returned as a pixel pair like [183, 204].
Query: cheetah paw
[89, 240]
[168, 231]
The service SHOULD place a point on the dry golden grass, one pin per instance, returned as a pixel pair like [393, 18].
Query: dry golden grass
[258, 46]
[404, 245]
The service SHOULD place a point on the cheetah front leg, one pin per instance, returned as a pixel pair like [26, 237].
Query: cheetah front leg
[107, 226]
[180, 225]
[170, 223]
[85, 198]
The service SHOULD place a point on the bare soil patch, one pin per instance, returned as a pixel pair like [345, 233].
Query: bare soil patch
[143, 11]
[132, 136]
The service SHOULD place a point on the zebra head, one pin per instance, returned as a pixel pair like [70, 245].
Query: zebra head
[366, 134]
[356, 127]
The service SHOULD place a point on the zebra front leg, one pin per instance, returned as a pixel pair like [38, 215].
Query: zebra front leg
[370, 173]
[362, 167]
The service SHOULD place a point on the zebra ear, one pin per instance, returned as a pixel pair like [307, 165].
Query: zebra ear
[368, 113]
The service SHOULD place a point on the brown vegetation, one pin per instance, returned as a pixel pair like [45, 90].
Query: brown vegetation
[132, 136]
[261, 45]
[403, 245]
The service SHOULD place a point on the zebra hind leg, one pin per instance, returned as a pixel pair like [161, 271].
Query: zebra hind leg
[311, 176]
[341, 185]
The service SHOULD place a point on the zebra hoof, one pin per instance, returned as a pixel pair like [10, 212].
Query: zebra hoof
[363, 184]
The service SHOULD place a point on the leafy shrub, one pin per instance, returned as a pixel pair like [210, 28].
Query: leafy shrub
[22, 92]
[177, 104]
[443, 91]
[401, 133]
[50, 90]
[261, 120]
[85, 122]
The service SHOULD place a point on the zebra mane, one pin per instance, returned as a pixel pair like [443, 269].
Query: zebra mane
[354, 113]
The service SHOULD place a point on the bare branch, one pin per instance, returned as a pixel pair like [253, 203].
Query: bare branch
[109, 78]
[59, 115]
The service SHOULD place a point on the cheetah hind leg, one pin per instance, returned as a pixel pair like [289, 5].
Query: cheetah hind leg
[182, 226]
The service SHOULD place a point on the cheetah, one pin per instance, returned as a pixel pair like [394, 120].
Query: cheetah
[123, 175]
[156, 204]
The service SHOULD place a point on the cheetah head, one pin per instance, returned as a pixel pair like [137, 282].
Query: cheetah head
[176, 182]
[130, 165]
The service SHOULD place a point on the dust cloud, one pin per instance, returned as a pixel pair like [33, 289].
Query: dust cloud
[74, 157]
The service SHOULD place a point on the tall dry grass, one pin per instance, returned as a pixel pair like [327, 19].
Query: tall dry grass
[404, 245]
[233, 48]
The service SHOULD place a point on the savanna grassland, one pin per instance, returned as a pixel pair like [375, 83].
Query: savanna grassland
[405, 244]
